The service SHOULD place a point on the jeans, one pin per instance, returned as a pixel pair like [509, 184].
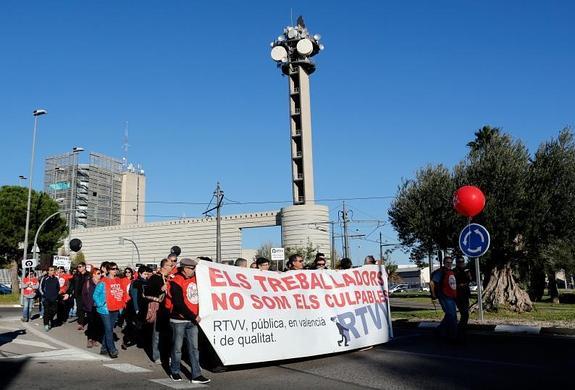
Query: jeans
[448, 325]
[27, 309]
[155, 342]
[109, 321]
[190, 332]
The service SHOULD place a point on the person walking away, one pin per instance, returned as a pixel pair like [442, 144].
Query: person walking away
[182, 302]
[444, 287]
[30, 287]
[50, 292]
[462, 278]
[94, 331]
[109, 299]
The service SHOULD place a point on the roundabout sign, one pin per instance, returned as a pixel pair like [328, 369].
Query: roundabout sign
[474, 240]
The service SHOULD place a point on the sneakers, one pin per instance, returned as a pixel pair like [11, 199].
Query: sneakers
[158, 361]
[47, 327]
[201, 380]
[176, 377]
[114, 355]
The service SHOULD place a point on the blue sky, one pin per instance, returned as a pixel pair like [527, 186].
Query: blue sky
[398, 86]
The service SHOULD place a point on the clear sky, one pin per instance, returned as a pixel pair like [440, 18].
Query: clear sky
[399, 85]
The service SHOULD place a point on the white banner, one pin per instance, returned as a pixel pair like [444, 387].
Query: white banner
[257, 316]
[62, 261]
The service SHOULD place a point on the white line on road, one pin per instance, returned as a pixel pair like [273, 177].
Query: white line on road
[185, 384]
[63, 344]
[60, 355]
[31, 343]
[127, 368]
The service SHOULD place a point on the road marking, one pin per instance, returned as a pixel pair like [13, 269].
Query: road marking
[31, 343]
[459, 358]
[127, 368]
[52, 340]
[518, 329]
[184, 384]
[61, 355]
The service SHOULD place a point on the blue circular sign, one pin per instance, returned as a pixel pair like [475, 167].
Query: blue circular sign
[474, 240]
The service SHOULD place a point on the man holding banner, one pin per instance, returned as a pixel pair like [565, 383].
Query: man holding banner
[182, 302]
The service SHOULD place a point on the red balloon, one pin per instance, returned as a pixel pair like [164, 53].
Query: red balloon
[468, 201]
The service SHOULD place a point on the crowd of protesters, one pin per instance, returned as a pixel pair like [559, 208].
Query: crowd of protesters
[153, 307]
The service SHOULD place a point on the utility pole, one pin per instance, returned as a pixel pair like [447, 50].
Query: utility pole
[332, 244]
[219, 199]
[380, 248]
[343, 215]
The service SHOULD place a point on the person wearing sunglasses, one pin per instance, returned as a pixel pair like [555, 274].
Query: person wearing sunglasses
[182, 302]
[294, 263]
[94, 323]
[319, 262]
[109, 299]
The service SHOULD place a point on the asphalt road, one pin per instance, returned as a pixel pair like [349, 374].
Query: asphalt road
[33, 359]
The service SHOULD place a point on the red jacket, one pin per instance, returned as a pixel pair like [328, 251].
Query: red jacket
[182, 298]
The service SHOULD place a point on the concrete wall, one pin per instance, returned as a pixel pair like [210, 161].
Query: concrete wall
[196, 237]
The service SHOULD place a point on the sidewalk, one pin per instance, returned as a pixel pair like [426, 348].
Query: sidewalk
[491, 328]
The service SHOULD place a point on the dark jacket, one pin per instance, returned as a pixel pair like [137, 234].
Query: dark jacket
[138, 304]
[77, 284]
[50, 288]
[87, 292]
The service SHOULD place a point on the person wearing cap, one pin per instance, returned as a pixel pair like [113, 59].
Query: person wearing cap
[182, 302]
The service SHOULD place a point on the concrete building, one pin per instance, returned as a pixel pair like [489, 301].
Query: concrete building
[104, 192]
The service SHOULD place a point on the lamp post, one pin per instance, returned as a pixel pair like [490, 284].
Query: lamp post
[20, 178]
[121, 242]
[37, 114]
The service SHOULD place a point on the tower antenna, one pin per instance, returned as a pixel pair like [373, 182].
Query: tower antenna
[125, 144]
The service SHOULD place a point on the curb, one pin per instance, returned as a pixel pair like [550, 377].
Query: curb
[502, 328]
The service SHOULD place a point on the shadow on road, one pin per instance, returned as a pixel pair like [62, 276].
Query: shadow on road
[10, 370]
[7, 337]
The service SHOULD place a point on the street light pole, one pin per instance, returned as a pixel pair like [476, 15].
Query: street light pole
[20, 178]
[36, 114]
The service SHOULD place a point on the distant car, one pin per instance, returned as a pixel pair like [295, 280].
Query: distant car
[398, 288]
[473, 286]
[424, 288]
[5, 289]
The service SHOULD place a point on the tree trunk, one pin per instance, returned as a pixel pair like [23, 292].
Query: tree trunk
[14, 277]
[552, 287]
[503, 292]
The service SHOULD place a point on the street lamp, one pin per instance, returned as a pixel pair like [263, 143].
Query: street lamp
[20, 178]
[121, 242]
[37, 114]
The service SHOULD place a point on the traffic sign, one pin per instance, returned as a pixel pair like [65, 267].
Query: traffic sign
[278, 254]
[30, 263]
[474, 240]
